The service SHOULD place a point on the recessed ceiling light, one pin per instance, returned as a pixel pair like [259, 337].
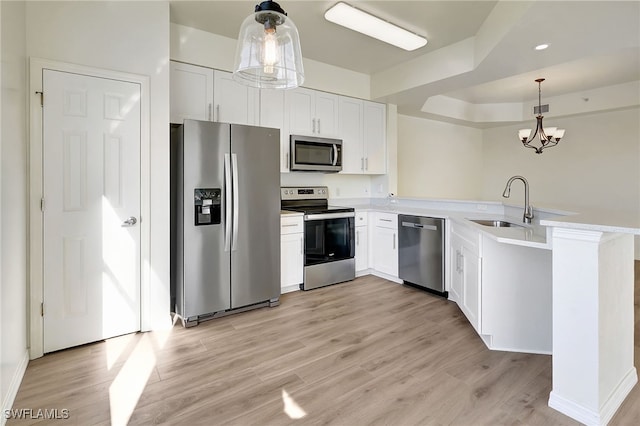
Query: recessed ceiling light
[541, 46]
[362, 22]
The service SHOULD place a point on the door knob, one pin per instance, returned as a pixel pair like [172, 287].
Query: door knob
[130, 221]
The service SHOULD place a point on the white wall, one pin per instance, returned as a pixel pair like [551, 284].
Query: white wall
[438, 160]
[108, 35]
[13, 204]
[595, 166]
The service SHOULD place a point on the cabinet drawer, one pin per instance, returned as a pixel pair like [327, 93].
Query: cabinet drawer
[386, 220]
[362, 218]
[291, 224]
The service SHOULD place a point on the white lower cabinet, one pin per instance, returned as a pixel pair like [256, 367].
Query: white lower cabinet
[466, 273]
[384, 242]
[291, 252]
[362, 241]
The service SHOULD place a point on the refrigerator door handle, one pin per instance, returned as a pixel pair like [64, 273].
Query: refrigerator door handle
[227, 202]
[234, 162]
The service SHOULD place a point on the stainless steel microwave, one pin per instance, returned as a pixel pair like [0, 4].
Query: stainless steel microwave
[314, 154]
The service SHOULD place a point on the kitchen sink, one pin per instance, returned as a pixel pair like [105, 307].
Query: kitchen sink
[496, 223]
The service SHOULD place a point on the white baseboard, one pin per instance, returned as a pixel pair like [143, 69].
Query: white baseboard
[290, 288]
[386, 276]
[618, 396]
[573, 410]
[609, 408]
[16, 380]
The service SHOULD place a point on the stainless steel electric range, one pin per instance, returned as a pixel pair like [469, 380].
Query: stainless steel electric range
[329, 236]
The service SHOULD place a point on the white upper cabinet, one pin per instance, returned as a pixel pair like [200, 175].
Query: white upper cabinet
[375, 138]
[362, 127]
[350, 125]
[272, 115]
[191, 92]
[311, 112]
[234, 102]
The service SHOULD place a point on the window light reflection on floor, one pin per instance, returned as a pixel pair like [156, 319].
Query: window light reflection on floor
[291, 407]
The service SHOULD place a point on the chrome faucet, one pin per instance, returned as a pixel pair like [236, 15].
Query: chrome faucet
[528, 210]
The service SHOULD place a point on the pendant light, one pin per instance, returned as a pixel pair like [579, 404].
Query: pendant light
[547, 139]
[268, 55]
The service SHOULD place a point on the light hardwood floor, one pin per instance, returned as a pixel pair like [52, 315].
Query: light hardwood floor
[360, 353]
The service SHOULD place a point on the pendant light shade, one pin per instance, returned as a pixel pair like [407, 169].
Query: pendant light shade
[268, 55]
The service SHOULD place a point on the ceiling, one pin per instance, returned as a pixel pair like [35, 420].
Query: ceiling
[593, 44]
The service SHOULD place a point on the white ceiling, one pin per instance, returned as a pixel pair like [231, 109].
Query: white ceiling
[594, 44]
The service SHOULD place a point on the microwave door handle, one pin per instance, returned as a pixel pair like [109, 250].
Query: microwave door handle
[335, 154]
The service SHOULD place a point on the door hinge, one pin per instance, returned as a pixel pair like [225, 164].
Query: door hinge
[41, 97]
[42, 204]
[41, 309]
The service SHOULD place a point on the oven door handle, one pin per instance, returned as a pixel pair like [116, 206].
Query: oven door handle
[322, 216]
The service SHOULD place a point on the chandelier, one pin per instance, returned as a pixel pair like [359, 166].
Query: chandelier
[547, 138]
[268, 55]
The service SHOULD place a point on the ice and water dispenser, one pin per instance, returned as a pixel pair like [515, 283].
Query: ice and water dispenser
[207, 206]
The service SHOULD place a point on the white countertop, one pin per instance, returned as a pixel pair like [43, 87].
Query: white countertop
[290, 213]
[598, 220]
[527, 235]
[535, 235]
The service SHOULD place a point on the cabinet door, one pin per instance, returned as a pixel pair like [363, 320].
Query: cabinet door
[362, 248]
[350, 129]
[291, 259]
[375, 138]
[191, 92]
[456, 284]
[234, 102]
[471, 287]
[385, 250]
[300, 109]
[326, 114]
[272, 115]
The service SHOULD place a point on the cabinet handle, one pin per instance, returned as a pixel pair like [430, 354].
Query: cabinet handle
[218, 111]
[313, 125]
[394, 240]
[357, 237]
[457, 260]
[366, 163]
[318, 126]
[385, 220]
[302, 245]
[289, 224]
[286, 164]
[362, 163]
[210, 113]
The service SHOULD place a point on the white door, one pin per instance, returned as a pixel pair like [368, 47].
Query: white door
[91, 162]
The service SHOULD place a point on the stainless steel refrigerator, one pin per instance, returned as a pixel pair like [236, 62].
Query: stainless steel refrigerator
[225, 196]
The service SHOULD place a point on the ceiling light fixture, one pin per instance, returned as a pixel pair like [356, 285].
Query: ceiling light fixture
[268, 54]
[362, 22]
[542, 46]
[547, 139]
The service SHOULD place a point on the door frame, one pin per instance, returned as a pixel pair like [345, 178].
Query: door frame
[36, 218]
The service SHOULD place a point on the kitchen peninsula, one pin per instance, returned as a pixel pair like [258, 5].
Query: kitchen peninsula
[592, 293]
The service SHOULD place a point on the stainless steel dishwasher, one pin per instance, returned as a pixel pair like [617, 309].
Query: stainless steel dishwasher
[420, 259]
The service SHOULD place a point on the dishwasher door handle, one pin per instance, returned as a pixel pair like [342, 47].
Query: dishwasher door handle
[420, 226]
